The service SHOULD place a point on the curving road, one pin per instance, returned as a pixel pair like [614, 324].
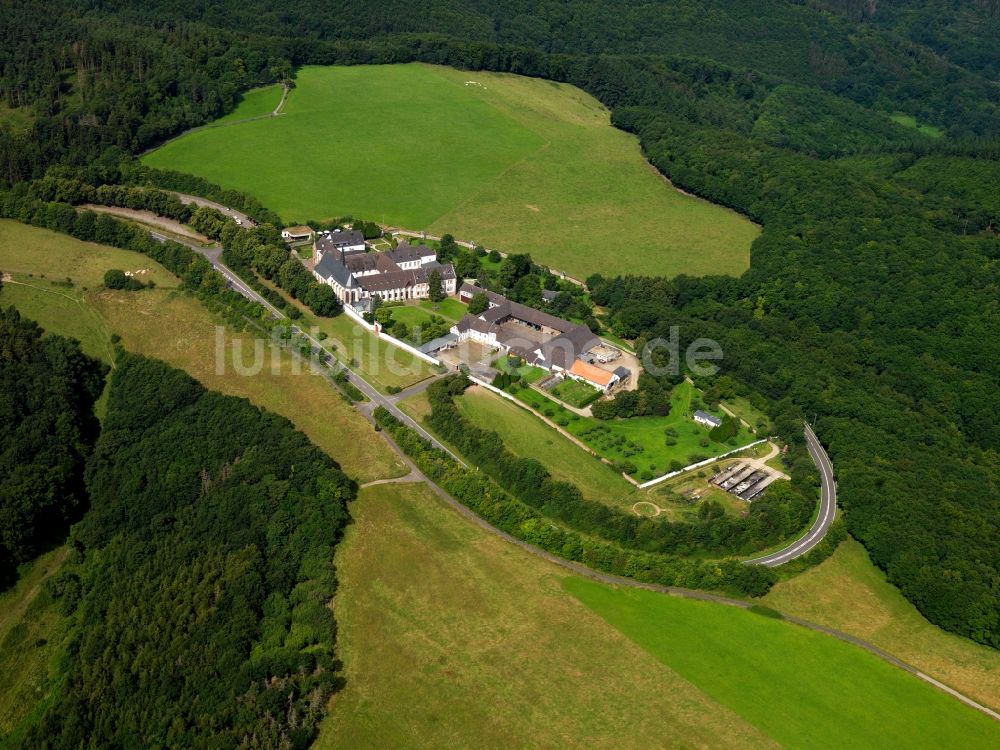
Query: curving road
[827, 509]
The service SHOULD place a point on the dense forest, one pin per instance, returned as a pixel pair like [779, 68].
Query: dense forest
[871, 305]
[200, 577]
[47, 430]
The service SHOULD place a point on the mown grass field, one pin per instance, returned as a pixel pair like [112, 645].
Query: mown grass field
[849, 593]
[173, 326]
[527, 436]
[521, 164]
[453, 638]
[802, 688]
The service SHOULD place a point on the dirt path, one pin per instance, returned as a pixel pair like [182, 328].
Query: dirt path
[281, 105]
[150, 219]
[412, 478]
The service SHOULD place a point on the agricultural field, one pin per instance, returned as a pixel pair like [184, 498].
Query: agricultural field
[527, 436]
[431, 605]
[498, 652]
[521, 164]
[802, 688]
[849, 593]
[173, 326]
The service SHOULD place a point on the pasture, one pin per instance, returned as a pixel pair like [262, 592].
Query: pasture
[173, 326]
[802, 688]
[528, 437]
[849, 593]
[520, 164]
[451, 637]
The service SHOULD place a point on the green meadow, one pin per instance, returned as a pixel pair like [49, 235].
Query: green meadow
[802, 688]
[521, 164]
[656, 445]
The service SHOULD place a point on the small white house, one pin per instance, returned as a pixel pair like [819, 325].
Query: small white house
[297, 234]
[702, 417]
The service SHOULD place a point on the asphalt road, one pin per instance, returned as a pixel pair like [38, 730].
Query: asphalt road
[827, 509]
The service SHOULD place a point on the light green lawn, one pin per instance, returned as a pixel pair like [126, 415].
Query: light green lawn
[527, 436]
[256, 102]
[802, 688]
[575, 393]
[911, 122]
[416, 314]
[849, 593]
[615, 439]
[530, 373]
[448, 308]
[521, 164]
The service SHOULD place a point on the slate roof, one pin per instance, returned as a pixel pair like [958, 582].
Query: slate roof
[339, 240]
[559, 351]
[699, 414]
[406, 252]
[331, 267]
[623, 372]
[493, 297]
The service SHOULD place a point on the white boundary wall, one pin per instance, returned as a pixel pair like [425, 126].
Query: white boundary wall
[496, 390]
[644, 485]
[706, 462]
[353, 315]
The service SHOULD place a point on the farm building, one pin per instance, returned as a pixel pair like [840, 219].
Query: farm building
[703, 417]
[593, 375]
[538, 338]
[344, 240]
[296, 234]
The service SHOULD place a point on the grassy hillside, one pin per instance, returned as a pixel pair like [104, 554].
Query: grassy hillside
[847, 592]
[176, 328]
[451, 637]
[802, 688]
[529, 437]
[522, 164]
